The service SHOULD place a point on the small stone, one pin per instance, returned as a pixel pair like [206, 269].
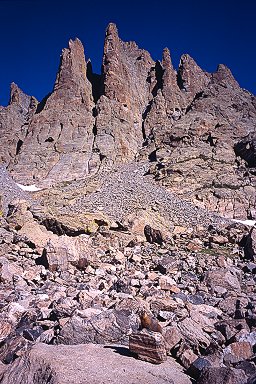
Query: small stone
[32, 334]
[196, 299]
[135, 283]
[167, 265]
[220, 291]
[208, 329]
[249, 337]
[250, 267]
[152, 276]
[218, 239]
[168, 284]
[63, 321]
[136, 258]
[119, 256]
[167, 316]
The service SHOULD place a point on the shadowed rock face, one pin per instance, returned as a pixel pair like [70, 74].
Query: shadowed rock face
[191, 124]
[246, 149]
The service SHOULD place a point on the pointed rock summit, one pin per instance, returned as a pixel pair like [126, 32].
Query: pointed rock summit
[72, 69]
[224, 76]
[18, 97]
[171, 91]
[111, 37]
[169, 71]
[192, 78]
[126, 93]
[59, 137]
[71, 81]
[125, 70]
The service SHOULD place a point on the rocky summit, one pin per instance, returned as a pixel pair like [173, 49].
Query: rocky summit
[127, 224]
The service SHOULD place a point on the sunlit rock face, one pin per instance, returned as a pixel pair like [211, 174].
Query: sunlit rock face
[59, 137]
[196, 128]
[13, 122]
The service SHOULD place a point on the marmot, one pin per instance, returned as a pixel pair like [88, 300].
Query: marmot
[148, 322]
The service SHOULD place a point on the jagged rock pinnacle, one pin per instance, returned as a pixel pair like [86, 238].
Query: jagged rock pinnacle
[112, 29]
[17, 96]
[169, 75]
[224, 76]
[166, 58]
[72, 70]
[62, 128]
[125, 69]
[14, 93]
[191, 77]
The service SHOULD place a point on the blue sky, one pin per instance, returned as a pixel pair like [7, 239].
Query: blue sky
[33, 33]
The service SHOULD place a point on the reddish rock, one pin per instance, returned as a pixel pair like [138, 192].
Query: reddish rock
[149, 346]
[223, 278]
[191, 77]
[13, 121]
[59, 139]
[172, 337]
[222, 375]
[187, 357]
[237, 352]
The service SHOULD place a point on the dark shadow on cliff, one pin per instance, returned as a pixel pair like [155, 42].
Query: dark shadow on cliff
[96, 82]
[42, 103]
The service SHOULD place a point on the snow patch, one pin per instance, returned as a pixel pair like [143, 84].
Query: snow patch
[29, 188]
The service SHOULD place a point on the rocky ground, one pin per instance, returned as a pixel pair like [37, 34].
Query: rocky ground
[73, 285]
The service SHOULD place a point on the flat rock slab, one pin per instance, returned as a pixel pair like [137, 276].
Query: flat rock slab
[91, 364]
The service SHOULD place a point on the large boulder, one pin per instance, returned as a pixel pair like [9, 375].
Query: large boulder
[91, 364]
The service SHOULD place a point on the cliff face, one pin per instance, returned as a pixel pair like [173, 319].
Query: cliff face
[13, 122]
[198, 154]
[59, 136]
[196, 129]
[128, 78]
